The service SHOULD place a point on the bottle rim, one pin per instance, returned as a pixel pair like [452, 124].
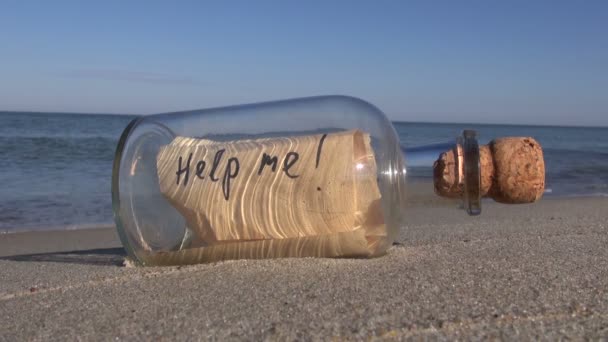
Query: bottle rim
[118, 154]
[472, 173]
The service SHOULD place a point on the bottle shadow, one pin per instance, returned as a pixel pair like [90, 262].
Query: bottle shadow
[97, 257]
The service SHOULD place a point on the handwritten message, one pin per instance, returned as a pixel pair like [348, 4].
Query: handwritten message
[232, 166]
[271, 188]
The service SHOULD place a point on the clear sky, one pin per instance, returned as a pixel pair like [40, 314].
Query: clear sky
[525, 62]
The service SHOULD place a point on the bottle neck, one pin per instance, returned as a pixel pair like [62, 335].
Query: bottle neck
[421, 162]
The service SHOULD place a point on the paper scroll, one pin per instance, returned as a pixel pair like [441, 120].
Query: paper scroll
[275, 188]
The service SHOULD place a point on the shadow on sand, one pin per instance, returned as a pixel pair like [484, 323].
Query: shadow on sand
[101, 257]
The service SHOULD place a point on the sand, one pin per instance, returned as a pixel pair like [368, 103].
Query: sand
[516, 272]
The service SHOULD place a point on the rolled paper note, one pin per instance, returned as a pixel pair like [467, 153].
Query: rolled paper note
[347, 244]
[274, 188]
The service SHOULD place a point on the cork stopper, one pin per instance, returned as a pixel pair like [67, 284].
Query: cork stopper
[511, 170]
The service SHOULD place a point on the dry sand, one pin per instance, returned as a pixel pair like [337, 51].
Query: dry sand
[516, 272]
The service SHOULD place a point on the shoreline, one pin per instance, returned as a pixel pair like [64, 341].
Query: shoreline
[420, 209]
[71, 227]
[427, 199]
[52, 241]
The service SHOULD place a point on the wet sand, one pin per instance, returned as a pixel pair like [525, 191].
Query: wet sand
[516, 272]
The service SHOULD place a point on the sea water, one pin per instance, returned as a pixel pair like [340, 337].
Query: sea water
[56, 169]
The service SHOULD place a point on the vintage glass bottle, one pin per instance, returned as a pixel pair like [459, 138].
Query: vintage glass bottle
[319, 176]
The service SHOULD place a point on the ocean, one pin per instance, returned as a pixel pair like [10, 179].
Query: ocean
[56, 169]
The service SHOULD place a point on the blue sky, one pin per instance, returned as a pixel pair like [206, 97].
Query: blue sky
[524, 62]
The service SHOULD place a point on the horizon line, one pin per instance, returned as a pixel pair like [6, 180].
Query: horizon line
[393, 121]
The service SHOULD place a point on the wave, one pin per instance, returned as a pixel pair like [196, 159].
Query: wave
[577, 153]
[57, 149]
[59, 135]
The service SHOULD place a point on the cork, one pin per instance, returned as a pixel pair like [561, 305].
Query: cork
[512, 171]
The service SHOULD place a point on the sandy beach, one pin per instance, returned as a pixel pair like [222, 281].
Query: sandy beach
[516, 272]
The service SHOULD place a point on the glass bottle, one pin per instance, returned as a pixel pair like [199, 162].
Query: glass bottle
[320, 176]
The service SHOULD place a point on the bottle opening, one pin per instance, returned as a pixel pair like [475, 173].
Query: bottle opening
[472, 175]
